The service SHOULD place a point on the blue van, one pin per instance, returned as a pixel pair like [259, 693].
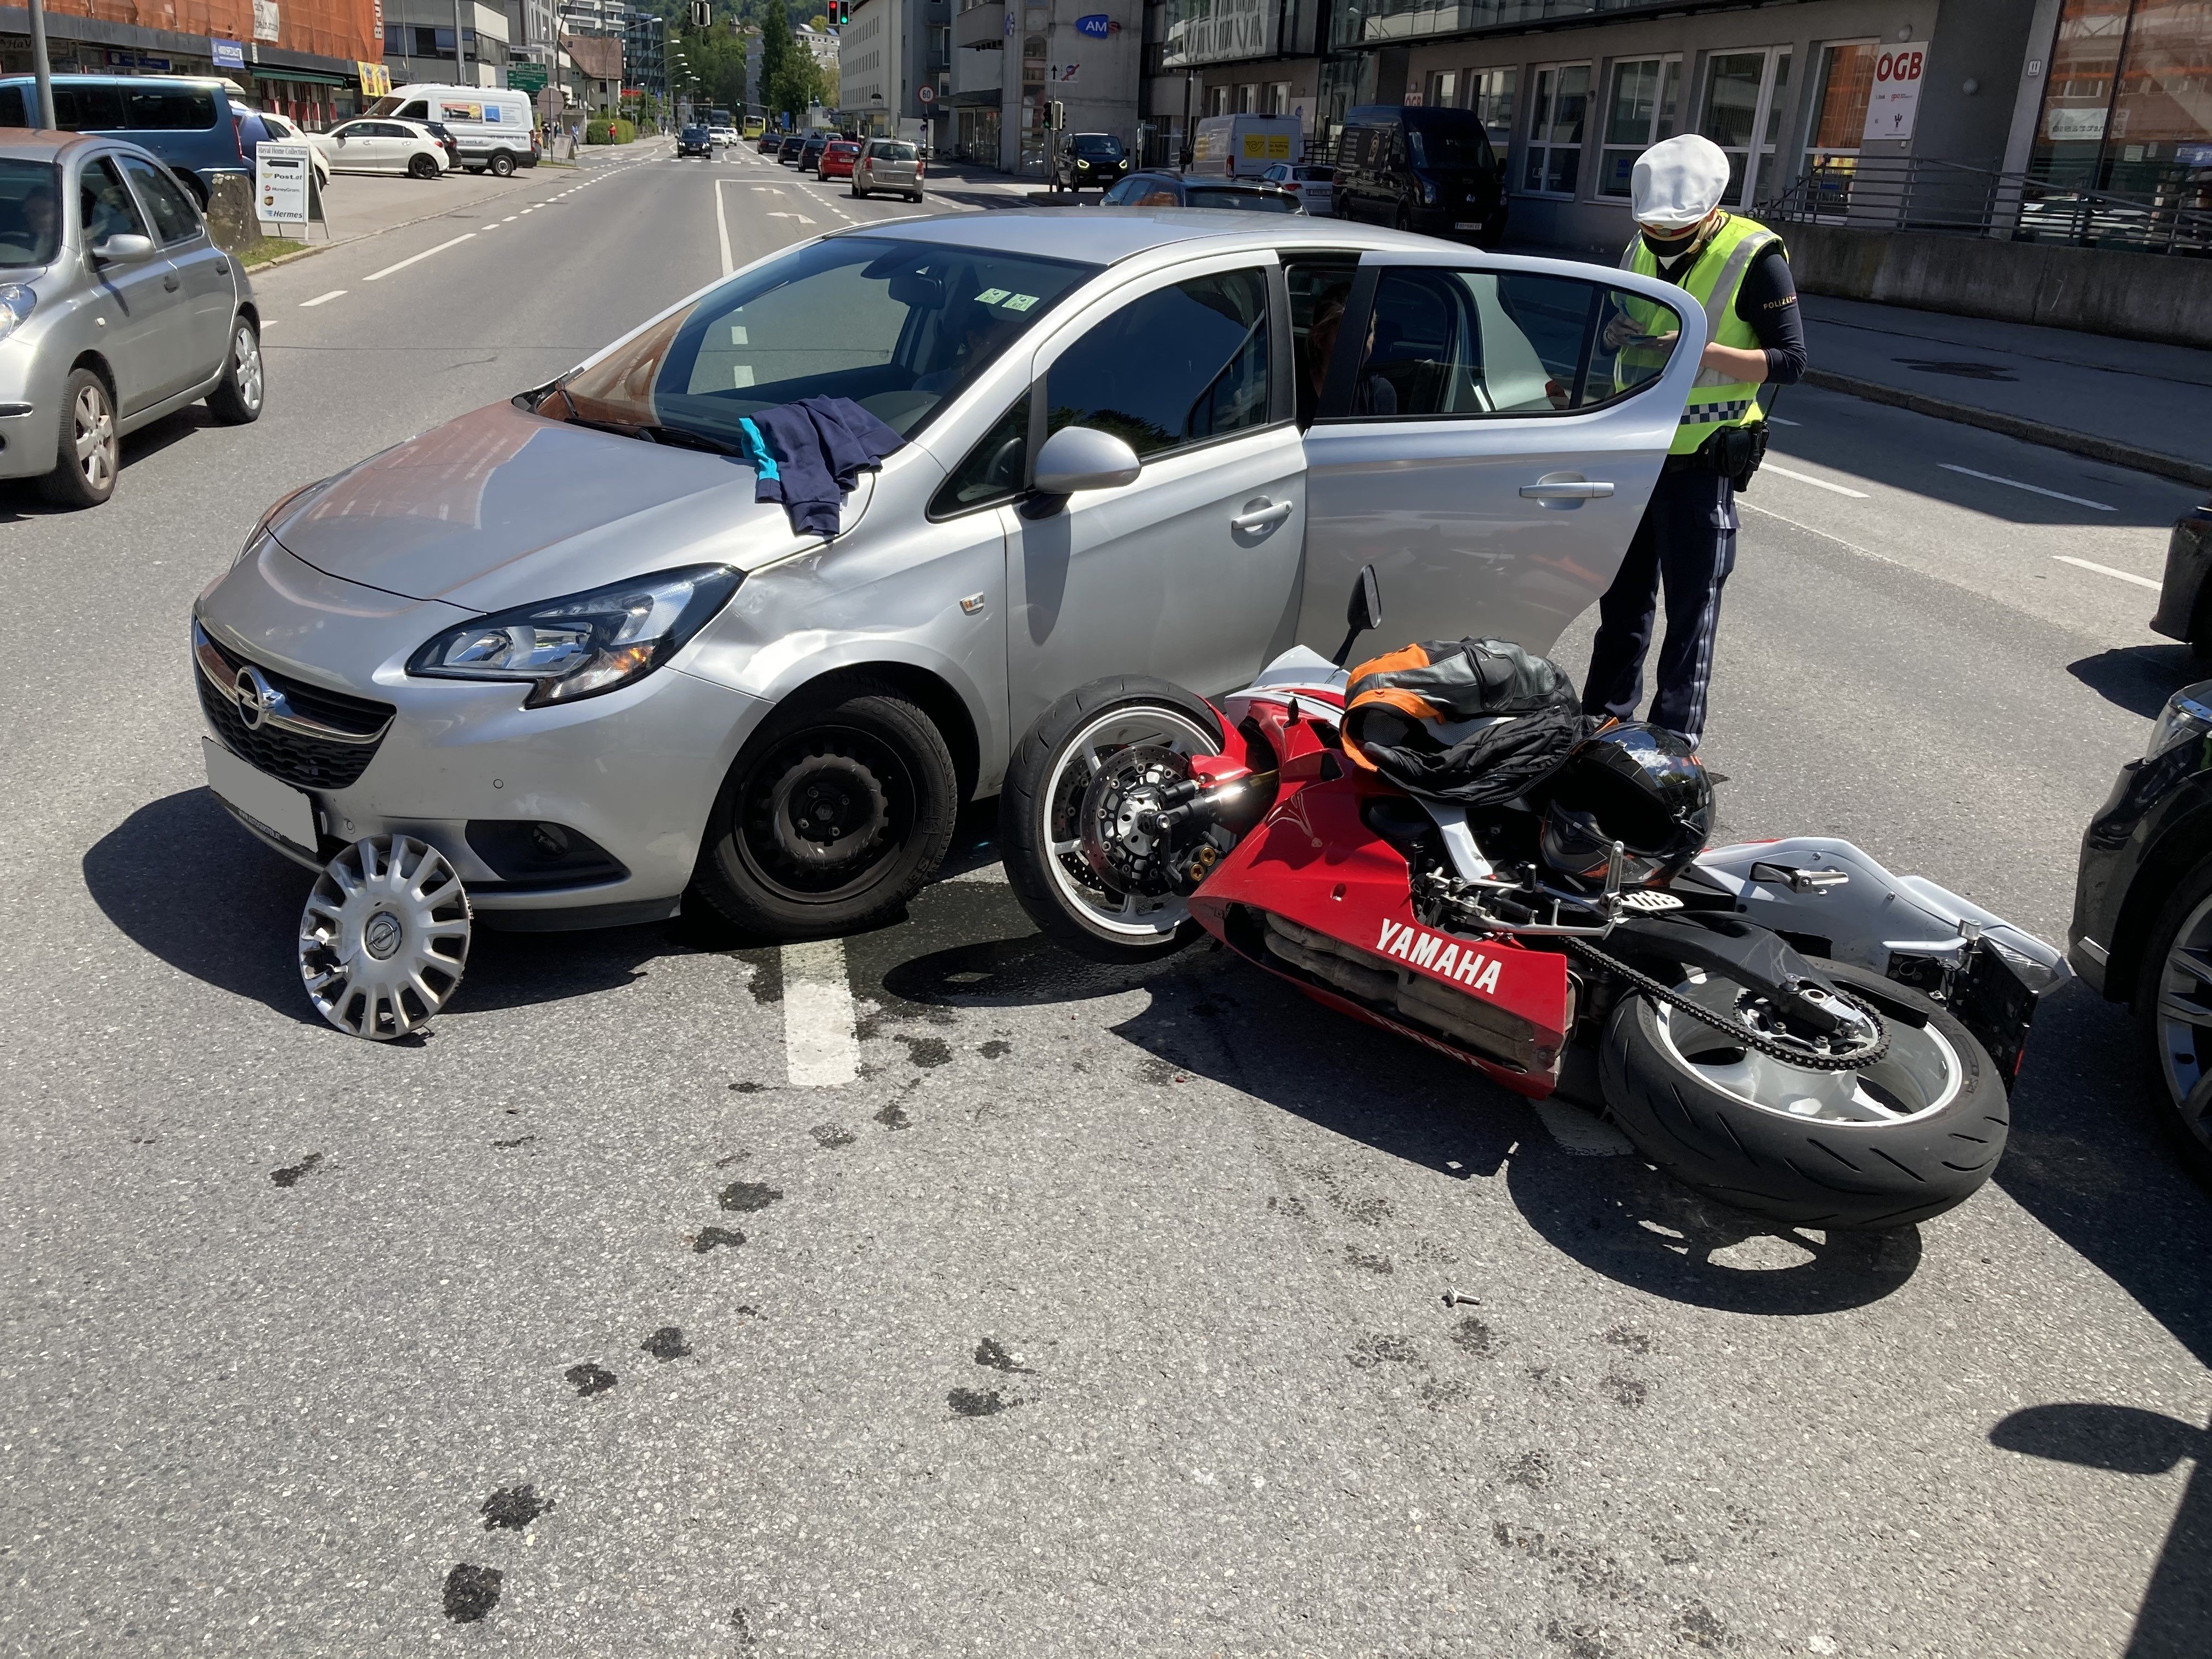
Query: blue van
[191, 123]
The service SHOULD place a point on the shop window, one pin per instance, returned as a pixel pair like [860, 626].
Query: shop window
[1559, 107]
[1640, 109]
[2124, 106]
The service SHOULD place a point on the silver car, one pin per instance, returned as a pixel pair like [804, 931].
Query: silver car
[560, 639]
[887, 164]
[116, 309]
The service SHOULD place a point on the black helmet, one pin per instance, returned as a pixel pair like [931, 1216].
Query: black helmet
[1638, 784]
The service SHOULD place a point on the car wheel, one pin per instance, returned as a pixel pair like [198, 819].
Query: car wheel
[2172, 1004]
[916, 197]
[424, 167]
[502, 165]
[197, 190]
[857, 191]
[237, 400]
[1405, 220]
[87, 453]
[832, 816]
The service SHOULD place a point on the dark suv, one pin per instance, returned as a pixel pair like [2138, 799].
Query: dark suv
[1429, 170]
[1089, 161]
[190, 123]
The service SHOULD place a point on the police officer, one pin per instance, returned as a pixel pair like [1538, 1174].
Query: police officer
[1735, 269]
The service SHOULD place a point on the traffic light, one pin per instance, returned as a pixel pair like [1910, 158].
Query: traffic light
[702, 14]
[841, 13]
[1055, 115]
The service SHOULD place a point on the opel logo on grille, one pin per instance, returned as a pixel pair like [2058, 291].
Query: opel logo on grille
[381, 936]
[256, 698]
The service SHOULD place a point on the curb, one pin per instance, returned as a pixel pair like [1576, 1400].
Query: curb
[2013, 426]
[293, 257]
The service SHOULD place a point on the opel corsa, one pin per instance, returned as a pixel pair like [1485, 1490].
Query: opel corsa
[559, 640]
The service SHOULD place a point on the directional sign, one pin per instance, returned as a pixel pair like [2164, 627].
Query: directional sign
[281, 176]
[526, 78]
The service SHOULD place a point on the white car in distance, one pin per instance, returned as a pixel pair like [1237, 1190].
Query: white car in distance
[380, 144]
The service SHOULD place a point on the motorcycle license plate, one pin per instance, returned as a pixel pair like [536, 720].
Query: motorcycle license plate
[282, 810]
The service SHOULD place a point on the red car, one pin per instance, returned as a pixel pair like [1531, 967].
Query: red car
[837, 158]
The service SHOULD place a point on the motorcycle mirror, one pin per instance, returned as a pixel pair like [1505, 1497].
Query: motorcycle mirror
[1363, 614]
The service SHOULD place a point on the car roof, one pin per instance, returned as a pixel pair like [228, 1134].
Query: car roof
[1104, 236]
[24, 144]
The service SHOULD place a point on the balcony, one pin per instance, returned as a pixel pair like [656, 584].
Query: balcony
[981, 26]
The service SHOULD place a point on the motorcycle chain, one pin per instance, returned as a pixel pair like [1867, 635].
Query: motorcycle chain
[1809, 1059]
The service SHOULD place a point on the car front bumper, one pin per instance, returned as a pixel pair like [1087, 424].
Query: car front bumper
[460, 764]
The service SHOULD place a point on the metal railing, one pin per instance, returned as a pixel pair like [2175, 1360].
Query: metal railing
[2173, 216]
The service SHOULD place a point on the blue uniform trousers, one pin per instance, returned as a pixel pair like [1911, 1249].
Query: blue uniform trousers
[1686, 542]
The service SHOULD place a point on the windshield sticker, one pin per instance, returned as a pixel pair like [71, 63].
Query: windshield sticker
[1021, 302]
[991, 296]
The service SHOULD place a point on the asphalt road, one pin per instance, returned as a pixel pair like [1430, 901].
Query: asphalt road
[1095, 1312]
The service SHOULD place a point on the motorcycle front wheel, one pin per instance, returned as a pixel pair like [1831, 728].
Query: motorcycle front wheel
[1895, 1142]
[1041, 835]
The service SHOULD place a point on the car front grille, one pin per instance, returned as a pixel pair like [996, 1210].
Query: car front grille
[309, 736]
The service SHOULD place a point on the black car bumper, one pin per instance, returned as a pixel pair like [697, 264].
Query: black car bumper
[2188, 554]
[2154, 829]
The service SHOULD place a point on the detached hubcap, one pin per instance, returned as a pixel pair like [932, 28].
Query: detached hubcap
[384, 936]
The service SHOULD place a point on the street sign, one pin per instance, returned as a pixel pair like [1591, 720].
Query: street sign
[1098, 25]
[281, 174]
[526, 78]
[226, 54]
[1896, 97]
[927, 94]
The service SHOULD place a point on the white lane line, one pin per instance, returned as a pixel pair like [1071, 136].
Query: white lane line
[1778, 420]
[801, 217]
[2107, 570]
[2033, 489]
[820, 1047]
[510, 218]
[1817, 484]
[320, 300]
[375, 275]
[722, 228]
[1825, 536]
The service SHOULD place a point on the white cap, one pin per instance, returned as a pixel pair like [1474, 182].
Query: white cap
[1678, 181]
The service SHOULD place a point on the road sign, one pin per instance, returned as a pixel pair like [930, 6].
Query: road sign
[526, 78]
[927, 94]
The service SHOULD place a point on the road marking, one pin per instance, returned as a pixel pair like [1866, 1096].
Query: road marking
[1778, 420]
[820, 1047]
[1852, 547]
[320, 300]
[374, 275]
[510, 219]
[1817, 484]
[722, 228]
[2107, 570]
[801, 217]
[2035, 490]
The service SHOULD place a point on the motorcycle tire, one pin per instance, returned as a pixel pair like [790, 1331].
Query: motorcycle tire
[1046, 889]
[1817, 1171]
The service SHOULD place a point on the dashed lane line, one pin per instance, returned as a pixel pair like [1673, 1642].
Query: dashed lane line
[2107, 570]
[820, 1046]
[2033, 489]
[321, 298]
[1817, 484]
[376, 275]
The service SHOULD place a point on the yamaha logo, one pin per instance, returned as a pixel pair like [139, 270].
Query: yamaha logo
[256, 698]
[1453, 960]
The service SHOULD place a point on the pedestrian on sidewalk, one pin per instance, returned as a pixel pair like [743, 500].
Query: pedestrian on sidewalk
[1738, 271]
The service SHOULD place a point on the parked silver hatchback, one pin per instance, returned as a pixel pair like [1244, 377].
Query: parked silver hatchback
[116, 309]
[564, 641]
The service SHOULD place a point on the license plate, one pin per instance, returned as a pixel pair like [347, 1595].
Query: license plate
[287, 813]
[1468, 224]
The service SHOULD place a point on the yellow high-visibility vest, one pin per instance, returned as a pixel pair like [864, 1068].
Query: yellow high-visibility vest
[1712, 280]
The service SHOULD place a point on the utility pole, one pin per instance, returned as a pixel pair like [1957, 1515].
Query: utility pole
[40, 66]
[460, 50]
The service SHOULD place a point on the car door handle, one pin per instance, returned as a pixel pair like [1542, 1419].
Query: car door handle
[1258, 514]
[172, 283]
[1566, 490]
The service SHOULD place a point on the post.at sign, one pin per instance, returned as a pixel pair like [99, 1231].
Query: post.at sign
[283, 184]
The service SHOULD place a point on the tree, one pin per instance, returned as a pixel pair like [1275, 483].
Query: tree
[788, 79]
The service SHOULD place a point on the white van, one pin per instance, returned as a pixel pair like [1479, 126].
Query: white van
[1245, 146]
[494, 128]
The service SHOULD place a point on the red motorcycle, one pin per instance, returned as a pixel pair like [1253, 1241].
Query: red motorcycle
[1785, 1025]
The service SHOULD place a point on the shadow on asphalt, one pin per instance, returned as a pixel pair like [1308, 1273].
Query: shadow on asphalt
[2139, 677]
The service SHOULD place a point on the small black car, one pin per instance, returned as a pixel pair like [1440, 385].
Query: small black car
[810, 150]
[696, 141]
[788, 152]
[1171, 190]
[2185, 600]
[2142, 932]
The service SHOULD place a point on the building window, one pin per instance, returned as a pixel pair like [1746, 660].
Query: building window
[1489, 95]
[1217, 100]
[2123, 104]
[1247, 98]
[1742, 113]
[1640, 109]
[1443, 90]
[1279, 98]
[1559, 105]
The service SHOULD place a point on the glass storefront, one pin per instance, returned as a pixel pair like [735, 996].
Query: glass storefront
[2127, 100]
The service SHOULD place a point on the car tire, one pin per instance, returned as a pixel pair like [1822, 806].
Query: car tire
[1816, 1171]
[84, 477]
[198, 190]
[424, 167]
[502, 164]
[861, 193]
[890, 793]
[1405, 219]
[2169, 1068]
[236, 400]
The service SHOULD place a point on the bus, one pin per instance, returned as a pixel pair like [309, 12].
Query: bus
[756, 126]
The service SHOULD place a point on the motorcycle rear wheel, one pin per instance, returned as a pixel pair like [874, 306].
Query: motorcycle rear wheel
[1039, 841]
[1907, 1138]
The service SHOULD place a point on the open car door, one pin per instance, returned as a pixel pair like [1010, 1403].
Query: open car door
[1488, 433]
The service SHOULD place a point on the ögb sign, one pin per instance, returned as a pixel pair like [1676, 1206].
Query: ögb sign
[1895, 99]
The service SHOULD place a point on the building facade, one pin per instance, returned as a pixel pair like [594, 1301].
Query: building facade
[893, 68]
[1014, 59]
[418, 42]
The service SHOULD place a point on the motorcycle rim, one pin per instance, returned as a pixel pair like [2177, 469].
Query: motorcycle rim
[1918, 1075]
[1130, 918]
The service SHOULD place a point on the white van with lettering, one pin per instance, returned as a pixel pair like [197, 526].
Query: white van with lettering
[493, 128]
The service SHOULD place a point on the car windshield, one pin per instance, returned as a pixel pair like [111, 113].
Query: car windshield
[896, 326]
[1096, 144]
[1253, 200]
[691, 133]
[30, 214]
[1314, 175]
[1452, 148]
[888, 152]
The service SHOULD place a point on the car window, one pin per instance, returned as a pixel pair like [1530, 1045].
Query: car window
[1178, 366]
[13, 109]
[1251, 201]
[891, 152]
[896, 326]
[105, 205]
[1470, 343]
[89, 109]
[994, 470]
[30, 213]
[173, 218]
[170, 109]
[1121, 192]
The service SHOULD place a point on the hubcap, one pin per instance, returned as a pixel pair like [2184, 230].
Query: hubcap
[96, 437]
[1170, 739]
[245, 359]
[2184, 1022]
[825, 812]
[384, 936]
[1920, 1073]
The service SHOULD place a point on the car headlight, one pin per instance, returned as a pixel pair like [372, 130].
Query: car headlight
[2184, 720]
[1428, 192]
[586, 643]
[16, 302]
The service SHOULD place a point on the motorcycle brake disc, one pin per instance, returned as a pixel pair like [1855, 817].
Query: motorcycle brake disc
[1129, 786]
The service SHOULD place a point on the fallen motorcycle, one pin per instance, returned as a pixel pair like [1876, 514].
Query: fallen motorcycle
[1434, 844]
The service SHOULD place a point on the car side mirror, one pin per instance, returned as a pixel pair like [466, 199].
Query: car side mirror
[1363, 614]
[1082, 458]
[124, 248]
